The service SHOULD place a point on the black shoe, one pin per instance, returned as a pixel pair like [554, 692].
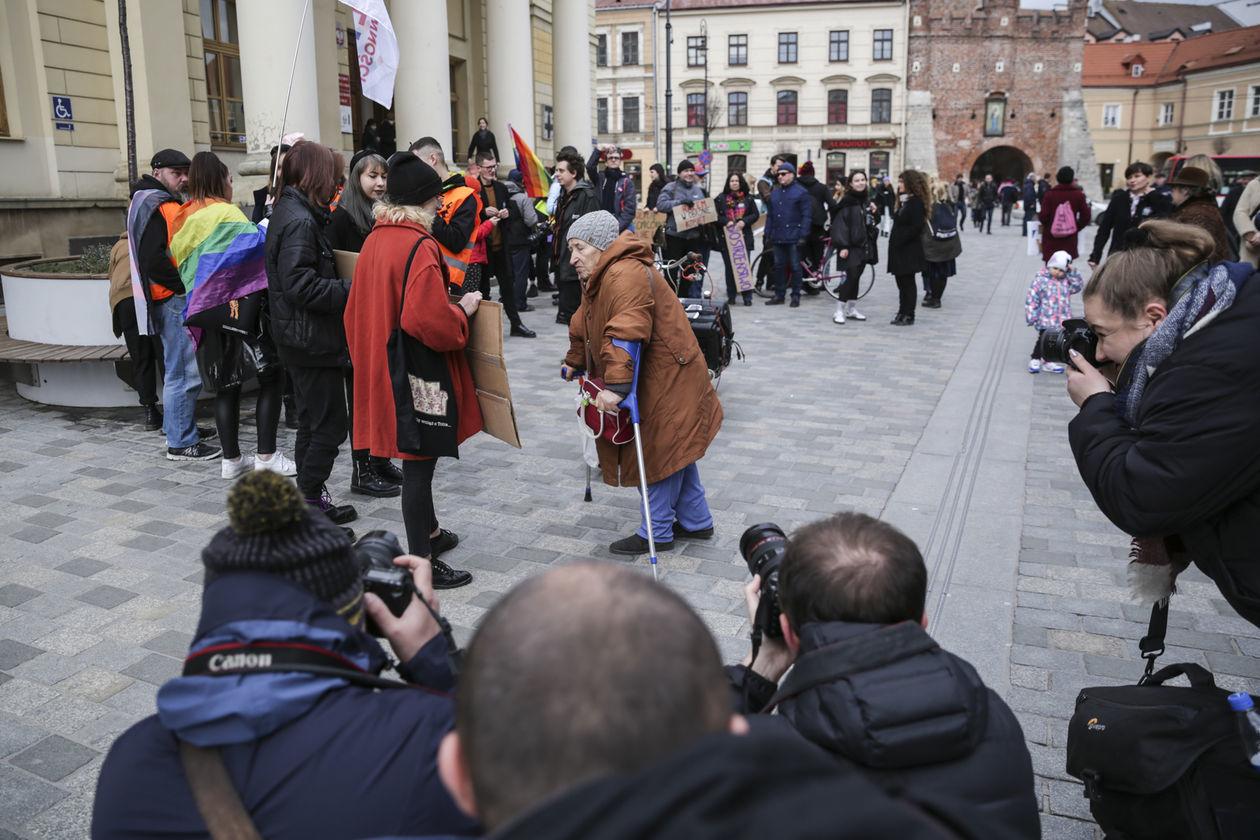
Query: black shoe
[531, 292]
[546, 286]
[442, 543]
[522, 331]
[196, 452]
[444, 577]
[385, 468]
[795, 303]
[903, 321]
[634, 544]
[775, 302]
[339, 514]
[926, 297]
[152, 418]
[349, 532]
[525, 308]
[562, 319]
[699, 534]
[932, 303]
[748, 300]
[207, 432]
[365, 481]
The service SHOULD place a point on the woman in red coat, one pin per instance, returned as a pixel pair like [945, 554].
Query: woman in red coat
[1063, 192]
[403, 218]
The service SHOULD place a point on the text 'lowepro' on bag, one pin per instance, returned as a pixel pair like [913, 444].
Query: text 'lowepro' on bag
[1163, 762]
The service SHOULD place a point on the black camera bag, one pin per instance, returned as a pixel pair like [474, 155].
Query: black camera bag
[1161, 761]
[711, 324]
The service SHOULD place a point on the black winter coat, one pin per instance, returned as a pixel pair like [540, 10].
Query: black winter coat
[576, 202]
[848, 230]
[819, 199]
[923, 721]
[905, 246]
[1117, 219]
[1191, 467]
[308, 299]
[750, 216]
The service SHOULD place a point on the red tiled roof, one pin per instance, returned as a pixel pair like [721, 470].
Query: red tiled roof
[1109, 65]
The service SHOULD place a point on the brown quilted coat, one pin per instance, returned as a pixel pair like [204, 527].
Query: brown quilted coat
[679, 408]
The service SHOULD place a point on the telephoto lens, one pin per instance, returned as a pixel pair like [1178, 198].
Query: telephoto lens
[762, 547]
[1055, 345]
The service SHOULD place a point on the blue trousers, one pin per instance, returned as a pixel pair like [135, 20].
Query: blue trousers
[786, 258]
[182, 382]
[680, 497]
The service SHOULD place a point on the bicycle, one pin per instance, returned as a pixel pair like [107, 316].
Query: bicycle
[829, 277]
[686, 269]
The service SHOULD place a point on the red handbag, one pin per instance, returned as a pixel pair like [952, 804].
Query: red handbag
[612, 426]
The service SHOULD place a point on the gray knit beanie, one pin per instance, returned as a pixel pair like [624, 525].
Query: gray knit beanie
[599, 229]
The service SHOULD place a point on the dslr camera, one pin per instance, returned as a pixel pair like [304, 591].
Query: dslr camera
[1075, 334]
[376, 551]
[541, 231]
[763, 547]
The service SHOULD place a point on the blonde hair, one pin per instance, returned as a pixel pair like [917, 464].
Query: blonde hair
[940, 191]
[393, 214]
[1145, 271]
[1216, 179]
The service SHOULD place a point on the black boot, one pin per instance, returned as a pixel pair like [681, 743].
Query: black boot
[385, 469]
[366, 482]
[152, 418]
[290, 412]
[322, 502]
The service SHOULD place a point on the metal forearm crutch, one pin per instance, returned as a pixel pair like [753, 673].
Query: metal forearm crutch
[631, 403]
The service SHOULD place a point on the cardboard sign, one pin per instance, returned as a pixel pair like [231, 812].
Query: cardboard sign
[345, 262]
[489, 373]
[647, 223]
[701, 213]
[740, 266]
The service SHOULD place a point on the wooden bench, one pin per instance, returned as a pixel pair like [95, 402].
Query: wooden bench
[28, 353]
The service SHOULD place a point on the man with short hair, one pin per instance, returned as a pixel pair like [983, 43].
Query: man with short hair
[592, 704]
[685, 191]
[788, 215]
[613, 186]
[1160, 183]
[155, 199]
[1009, 194]
[455, 227]
[1030, 201]
[577, 198]
[987, 197]
[958, 192]
[872, 686]
[1127, 209]
[494, 200]
[1043, 186]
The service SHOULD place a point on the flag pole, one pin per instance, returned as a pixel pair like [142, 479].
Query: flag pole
[275, 166]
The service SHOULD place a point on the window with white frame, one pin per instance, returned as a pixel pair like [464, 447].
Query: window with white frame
[695, 110]
[883, 45]
[737, 108]
[838, 45]
[1254, 98]
[601, 115]
[630, 114]
[1111, 116]
[629, 48]
[697, 51]
[601, 50]
[787, 47]
[1137, 70]
[1223, 109]
[1166, 112]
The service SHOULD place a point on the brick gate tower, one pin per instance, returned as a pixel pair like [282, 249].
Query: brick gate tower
[996, 88]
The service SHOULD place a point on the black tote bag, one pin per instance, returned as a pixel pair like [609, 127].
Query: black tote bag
[424, 398]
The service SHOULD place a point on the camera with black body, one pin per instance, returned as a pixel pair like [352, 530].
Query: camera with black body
[1055, 345]
[541, 231]
[392, 584]
[763, 547]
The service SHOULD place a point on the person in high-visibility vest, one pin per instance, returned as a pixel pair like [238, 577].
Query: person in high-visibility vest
[455, 227]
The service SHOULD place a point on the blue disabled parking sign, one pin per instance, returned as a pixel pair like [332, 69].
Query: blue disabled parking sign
[62, 110]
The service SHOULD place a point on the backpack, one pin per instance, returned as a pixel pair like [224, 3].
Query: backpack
[944, 223]
[1161, 762]
[1064, 222]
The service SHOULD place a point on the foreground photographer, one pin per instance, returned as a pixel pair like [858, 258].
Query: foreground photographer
[308, 754]
[1172, 455]
[869, 683]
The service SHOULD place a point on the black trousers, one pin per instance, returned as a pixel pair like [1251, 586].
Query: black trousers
[506, 278]
[227, 415]
[419, 517]
[320, 393]
[1006, 214]
[907, 291]
[359, 454]
[145, 351]
[852, 274]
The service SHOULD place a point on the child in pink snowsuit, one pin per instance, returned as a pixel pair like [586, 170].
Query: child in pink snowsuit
[1049, 303]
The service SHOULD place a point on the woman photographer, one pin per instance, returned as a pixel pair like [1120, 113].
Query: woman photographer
[1172, 455]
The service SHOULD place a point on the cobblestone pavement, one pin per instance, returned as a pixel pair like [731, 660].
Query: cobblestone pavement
[936, 427]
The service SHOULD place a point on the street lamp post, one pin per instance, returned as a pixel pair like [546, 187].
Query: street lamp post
[704, 43]
[669, 95]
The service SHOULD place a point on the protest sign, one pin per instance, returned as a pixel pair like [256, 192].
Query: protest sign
[701, 212]
[740, 266]
[647, 223]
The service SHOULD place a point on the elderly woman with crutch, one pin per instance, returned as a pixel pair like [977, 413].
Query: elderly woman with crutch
[628, 312]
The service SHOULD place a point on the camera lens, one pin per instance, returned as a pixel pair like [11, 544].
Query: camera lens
[761, 543]
[377, 549]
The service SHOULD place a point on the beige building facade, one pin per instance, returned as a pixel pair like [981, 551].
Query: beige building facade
[625, 88]
[214, 75]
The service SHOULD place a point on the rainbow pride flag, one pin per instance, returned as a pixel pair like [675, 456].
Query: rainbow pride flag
[536, 180]
[220, 255]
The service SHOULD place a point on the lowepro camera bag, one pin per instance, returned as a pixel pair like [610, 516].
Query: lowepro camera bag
[1163, 762]
[711, 324]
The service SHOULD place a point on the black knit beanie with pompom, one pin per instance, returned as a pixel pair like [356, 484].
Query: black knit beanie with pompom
[273, 530]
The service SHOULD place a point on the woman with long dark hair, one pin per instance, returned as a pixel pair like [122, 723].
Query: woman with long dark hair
[905, 247]
[854, 237]
[308, 301]
[658, 183]
[220, 257]
[737, 209]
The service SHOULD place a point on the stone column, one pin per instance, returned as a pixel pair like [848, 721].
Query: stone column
[919, 147]
[268, 36]
[571, 48]
[511, 73]
[1076, 146]
[422, 95]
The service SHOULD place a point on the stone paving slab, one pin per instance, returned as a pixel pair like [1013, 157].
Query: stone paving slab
[936, 427]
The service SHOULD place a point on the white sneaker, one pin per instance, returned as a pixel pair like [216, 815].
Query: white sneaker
[838, 318]
[1034, 365]
[277, 463]
[235, 468]
[851, 310]
[1053, 367]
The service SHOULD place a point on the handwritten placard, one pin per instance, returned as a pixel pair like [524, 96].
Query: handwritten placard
[647, 223]
[740, 266]
[701, 212]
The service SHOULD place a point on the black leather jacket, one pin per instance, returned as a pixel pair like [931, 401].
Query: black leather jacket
[308, 299]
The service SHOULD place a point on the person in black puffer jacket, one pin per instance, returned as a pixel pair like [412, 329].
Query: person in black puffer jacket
[905, 246]
[871, 686]
[853, 242]
[308, 303]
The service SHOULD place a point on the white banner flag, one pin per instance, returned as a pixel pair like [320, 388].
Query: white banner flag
[377, 47]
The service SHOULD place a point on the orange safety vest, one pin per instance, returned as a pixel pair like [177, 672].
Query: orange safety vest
[457, 262]
[169, 210]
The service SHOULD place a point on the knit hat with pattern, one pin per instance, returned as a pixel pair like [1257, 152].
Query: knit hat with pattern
[273, 530]
[599, 229]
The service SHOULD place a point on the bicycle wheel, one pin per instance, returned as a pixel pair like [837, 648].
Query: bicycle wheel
[763, 274]
[831, 276]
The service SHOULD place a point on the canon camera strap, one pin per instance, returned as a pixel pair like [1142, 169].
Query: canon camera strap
[282, 657]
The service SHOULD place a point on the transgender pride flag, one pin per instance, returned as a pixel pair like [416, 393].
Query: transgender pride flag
[219, 253]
